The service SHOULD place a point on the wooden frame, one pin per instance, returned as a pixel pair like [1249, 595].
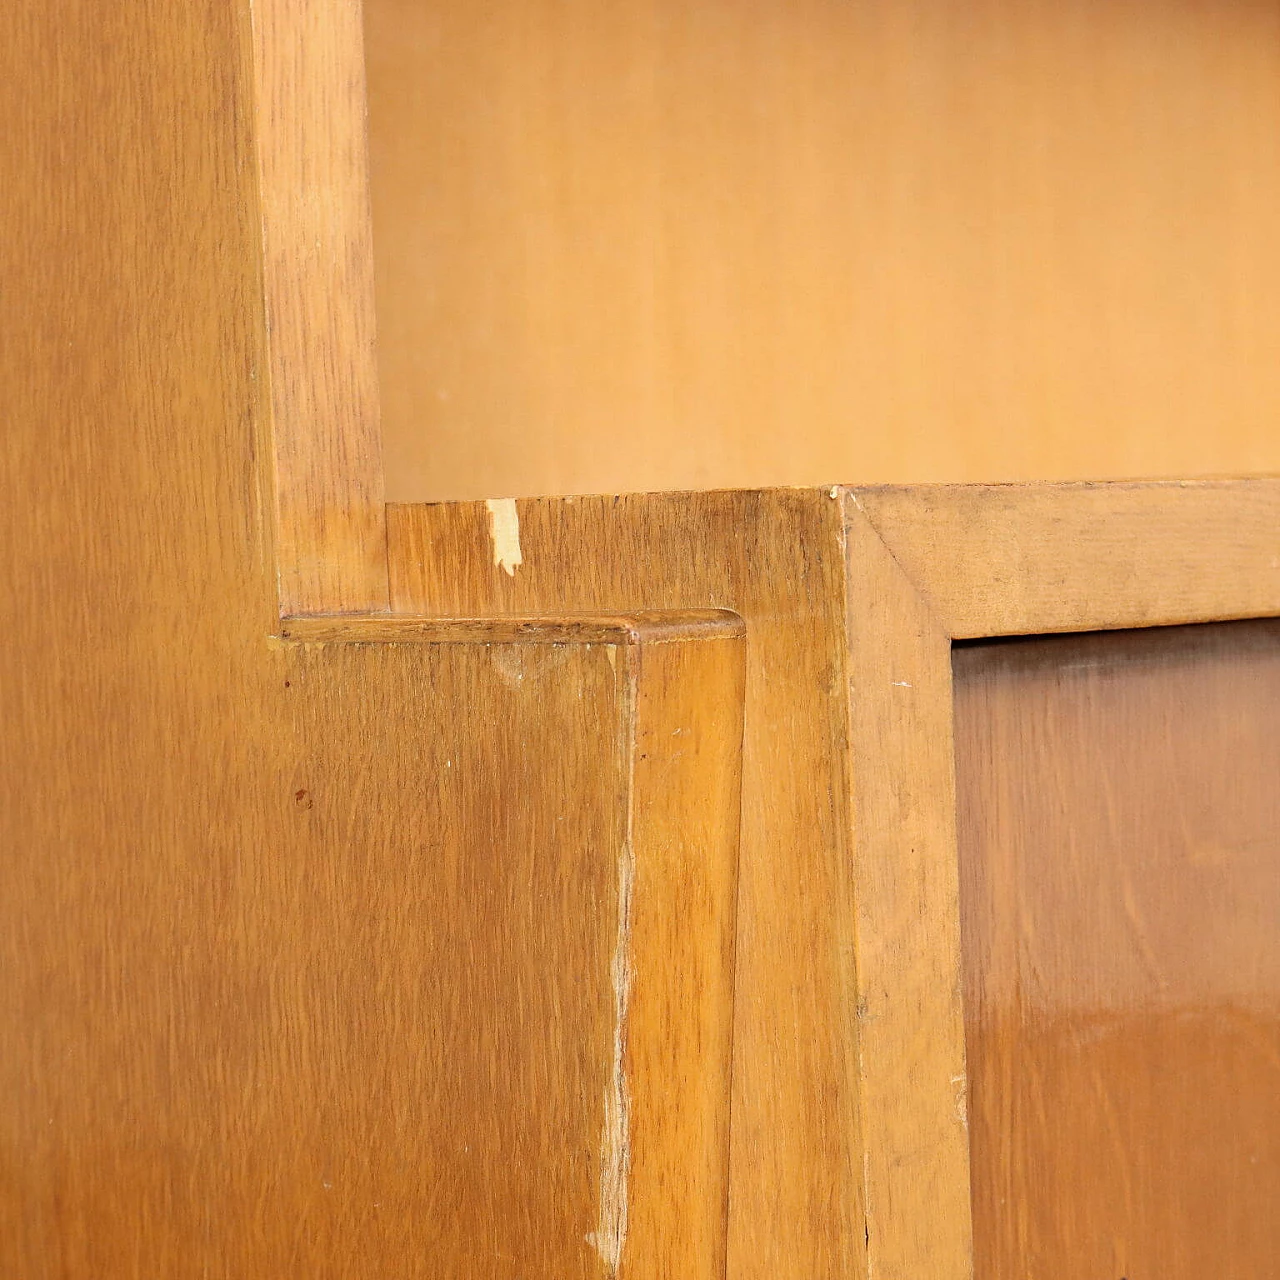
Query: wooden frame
[860, 590]
[978, 562]
[323, 439]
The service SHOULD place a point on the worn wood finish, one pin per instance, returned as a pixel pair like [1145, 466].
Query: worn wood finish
[389, 992]
[339, 948]
[690, 244]
[1019, 559]
[325, 436]
[1120, 850]
[848, 989]
[662, 1169]
[383, 946]
[776, 558]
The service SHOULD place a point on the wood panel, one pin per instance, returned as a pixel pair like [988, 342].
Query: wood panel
[777, 558]
[848, 988]
[659, 245]
[322, 473]
[383, 991]
[331, 950]
[1119, 820]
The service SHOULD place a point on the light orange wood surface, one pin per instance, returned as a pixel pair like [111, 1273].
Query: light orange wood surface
[1120, 856]
[391, 943]
[665, 245]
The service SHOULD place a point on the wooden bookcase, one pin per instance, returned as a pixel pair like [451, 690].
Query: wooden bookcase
[571, 886]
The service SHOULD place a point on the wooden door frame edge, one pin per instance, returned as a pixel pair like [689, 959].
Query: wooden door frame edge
[929, 565]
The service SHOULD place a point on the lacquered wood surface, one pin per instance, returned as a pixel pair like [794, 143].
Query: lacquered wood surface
[320, 952]
[1120, 856]
[849, 973]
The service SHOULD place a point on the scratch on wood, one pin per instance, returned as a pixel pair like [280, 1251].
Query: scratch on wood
[615, 1139]
[866, 1211]
[960, 1084]
[504, 529]
[610, 1234]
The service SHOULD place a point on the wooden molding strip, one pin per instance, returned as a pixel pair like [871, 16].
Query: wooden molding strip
[668, 627]
[664, 1149]
[1021, 559]
[905, 899]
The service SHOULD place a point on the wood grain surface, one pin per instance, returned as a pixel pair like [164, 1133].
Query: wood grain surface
[326, 950]
[911, 1058]
[776, 558]
[1120, 854]
[848, 989]
[690, 244]
[364, 946]
[1018, 559]
[324, 438]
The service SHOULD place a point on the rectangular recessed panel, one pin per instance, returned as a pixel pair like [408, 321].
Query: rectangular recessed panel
[1119, 820]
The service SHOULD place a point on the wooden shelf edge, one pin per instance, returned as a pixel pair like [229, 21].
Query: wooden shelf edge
[625, 629]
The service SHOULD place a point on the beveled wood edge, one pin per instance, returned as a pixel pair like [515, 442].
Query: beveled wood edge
[647, 628]
[1025, 559]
